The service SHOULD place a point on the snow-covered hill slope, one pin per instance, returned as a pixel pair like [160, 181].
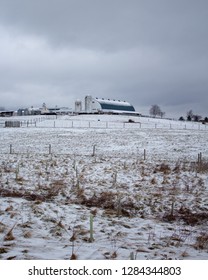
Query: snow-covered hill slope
[144, 183]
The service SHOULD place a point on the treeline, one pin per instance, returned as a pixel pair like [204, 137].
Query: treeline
[190, 116]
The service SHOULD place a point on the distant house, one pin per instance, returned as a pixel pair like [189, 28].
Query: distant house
[6, 113]
[60, 111]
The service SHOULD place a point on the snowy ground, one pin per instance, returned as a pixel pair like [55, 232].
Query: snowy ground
[139, 183]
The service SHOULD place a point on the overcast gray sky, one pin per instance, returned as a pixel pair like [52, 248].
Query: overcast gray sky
[142, 51]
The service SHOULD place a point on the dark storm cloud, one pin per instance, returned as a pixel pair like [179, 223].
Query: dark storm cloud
[143, 51]
[110, 23]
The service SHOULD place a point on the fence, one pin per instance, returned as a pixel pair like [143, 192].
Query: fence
[69, 123]
[25, 121]
[53, 121]
[100, 151]
[12, 123]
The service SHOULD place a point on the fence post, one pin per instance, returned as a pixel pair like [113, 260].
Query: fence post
[93, 152]
[10, 149]
[91, 228]
[144, 154]
[49, 148]
[200, 158]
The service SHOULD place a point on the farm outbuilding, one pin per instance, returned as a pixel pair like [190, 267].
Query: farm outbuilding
[94, 105]
[6, 113]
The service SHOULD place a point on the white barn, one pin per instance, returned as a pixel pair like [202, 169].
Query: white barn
[102, 105]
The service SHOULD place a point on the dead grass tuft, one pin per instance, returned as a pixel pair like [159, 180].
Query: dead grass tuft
[202, 167]
[153, 181]
[9, 236]
[109, 201]
[104, 200]
[187, 216]
[73, 257]
[3, 250]
[201, 241]
[2, 227]
[163, 167]
[46, 194]
[27, 234]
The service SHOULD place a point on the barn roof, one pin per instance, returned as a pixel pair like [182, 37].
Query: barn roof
[109, 104]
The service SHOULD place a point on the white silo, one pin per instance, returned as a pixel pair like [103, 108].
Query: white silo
[88, 103]
[78, 106]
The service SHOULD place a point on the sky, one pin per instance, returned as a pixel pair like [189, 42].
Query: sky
[142, 51]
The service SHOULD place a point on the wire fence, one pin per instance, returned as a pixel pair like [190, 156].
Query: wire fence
[34, 123]
[27, 121]
[54, 121]
[99, 153]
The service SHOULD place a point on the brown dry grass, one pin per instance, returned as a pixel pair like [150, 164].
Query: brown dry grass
[108, 201]
[201, 241]
[9, 236]
[187, 216]
[45, 194]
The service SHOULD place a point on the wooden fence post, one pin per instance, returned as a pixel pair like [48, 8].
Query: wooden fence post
[49, 148]
[144, 154]
[200, 158]
[93, 152]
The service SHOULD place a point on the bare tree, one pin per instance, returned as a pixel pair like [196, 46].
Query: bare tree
[189, 115]
[162, 114]
[156, 111]
[197, 118]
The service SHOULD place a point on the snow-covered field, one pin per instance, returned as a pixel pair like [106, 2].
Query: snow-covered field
[101, 187]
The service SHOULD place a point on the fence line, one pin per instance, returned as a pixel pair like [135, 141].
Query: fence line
[112, 125]
[95, 151]
[27, 122]
[54, 121]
